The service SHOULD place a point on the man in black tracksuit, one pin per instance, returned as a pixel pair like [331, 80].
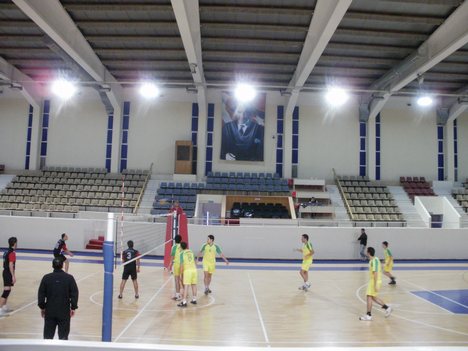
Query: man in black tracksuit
[58, 300]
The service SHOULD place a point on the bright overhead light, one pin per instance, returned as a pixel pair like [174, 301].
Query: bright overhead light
[64, 89]
[149, 90]
[424, 101]
[245, 92]
[336, 96]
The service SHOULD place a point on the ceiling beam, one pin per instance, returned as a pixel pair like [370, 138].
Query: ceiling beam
[448, 38]
[17, 79]
[452, 107]
[54, 21]
[187, 14]
[326, 18]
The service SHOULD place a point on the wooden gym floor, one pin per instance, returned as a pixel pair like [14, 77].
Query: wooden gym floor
[258, 304]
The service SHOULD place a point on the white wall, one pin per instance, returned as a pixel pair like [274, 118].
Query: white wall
[252, 242]
[13, 132]
[154, 128]
[462, 128]
[328, 139]
[408, 143]
[77, 132]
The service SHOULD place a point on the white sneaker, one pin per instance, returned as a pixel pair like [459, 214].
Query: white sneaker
[388, 312]
[3, 313]
[308, 285]
[6, 308]
[365, 318]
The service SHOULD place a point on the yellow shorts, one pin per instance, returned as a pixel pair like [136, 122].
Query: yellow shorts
[176, 269]
[209, 267]
[388, 267]
[190, 277]
[371, 289]
[306, 265]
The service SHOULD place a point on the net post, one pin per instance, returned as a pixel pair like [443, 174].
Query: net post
[108, 255]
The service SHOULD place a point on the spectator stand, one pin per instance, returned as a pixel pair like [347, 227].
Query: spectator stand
[312, 199]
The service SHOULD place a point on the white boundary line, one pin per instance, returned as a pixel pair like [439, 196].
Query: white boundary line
[436, 294]
[143, 309]
[35, 301]
[412, 320]
[258, 311]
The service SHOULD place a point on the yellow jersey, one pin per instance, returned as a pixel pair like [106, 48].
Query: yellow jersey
[388, 256]
[175, 252]
[306, 251]
[210, 252]
[375, 266]
[187, 260]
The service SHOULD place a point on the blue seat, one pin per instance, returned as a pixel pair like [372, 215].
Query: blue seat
[163, 185]
[186, 185]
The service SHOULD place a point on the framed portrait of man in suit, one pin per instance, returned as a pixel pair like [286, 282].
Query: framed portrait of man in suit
[243, 128]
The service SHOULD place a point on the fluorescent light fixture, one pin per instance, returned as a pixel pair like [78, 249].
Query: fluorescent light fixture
[424, 101]
[336, 96]
[64, 89]
[245, 92]
[149, 90]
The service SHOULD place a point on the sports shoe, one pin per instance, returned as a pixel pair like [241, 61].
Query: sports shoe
[388, 312]
[120, 296]
[5, 308]
[308, 285]
[3, 313]
[207, 291]
[302, 287]
[182, 304]
[365, 318]
[137, 296]
[194, 302]
[392, 282]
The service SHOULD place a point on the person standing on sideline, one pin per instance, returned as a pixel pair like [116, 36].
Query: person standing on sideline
[209, 251]
[388, 265]
[61, 249]
[131, 269]
[307, 258]
[9, 277]
[189, 274]
[175, 266]
[58, 299]
[375, 282]
[363, 242]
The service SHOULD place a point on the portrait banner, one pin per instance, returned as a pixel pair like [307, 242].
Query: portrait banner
[243, 128]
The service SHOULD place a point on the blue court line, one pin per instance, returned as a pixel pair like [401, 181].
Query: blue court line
[455, 301]
[267, 268]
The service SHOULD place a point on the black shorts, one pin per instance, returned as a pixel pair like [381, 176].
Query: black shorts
[7, 278]
[129, 271]
[61, 256]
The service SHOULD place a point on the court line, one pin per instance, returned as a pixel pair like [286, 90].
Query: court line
[258, 311]
[434, 293]
[35, 301]
[143, 309]
[412, 320]
[194, 308]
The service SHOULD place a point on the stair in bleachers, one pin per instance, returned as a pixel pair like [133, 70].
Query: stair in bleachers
[341, 215]
[412, 217]
[150, 193]
[95, 244]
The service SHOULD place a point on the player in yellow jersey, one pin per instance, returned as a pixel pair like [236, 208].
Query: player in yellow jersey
[174, 266]
[188, 270]
[209, 251]
[307, 258]
[375, 282]
[388, 265]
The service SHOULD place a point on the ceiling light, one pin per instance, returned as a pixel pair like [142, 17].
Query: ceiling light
[245, 92]
[336, 96]
[424, 101]
[64, 89]
[149, 90]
